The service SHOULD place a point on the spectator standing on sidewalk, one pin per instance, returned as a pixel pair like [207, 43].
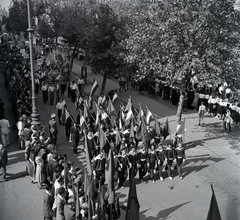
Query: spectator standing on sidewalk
[48, 201]
[3, 160]
[201, 112]
[5, 130]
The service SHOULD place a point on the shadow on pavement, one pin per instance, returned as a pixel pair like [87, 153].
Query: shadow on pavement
[192, 164]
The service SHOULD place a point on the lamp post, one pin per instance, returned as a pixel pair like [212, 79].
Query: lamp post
[34, 115]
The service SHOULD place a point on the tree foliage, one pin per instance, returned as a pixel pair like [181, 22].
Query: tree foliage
[17, 20]
[178, 39]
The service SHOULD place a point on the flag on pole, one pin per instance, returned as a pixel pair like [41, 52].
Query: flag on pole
[118, 137]
[133, 205]
[140, 115]
[148, 115]
[88, 160]
[131, 136]
[129, 115]
[213, 213]
[114, 99]
[94, 88]
[77, 203]
[129, 105]
[109, 178]
[156, 128]
[166, 129]
[139, 132]
[110, 108]
[101, 137]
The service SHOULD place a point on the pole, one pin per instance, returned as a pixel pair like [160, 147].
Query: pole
[34, 115]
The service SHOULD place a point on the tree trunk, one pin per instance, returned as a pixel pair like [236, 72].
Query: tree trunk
[104, 82]
[180, 106]
[73, 55]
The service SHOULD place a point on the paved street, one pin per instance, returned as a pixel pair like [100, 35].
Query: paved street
[212, 155]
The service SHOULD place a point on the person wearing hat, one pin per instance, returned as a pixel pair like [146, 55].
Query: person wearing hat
[3, 160]
[201, 112]
[160, 160]
[53, 129]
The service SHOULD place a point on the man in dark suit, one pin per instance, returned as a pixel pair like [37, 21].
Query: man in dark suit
[48, 203]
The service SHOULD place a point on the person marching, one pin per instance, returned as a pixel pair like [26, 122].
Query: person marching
[125, 164]
[160, 160]
[53, 129]
[44, 92]
[152, 158]
[51, 90]
[180, 158]
[169, 157]
[74, 137]
[99, 168]
[60, 106]
[201, 112]
[143, 156]
[133, 158]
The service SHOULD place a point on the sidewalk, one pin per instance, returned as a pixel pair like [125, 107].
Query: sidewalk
[212, 155]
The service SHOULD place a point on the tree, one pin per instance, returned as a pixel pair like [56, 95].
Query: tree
[45, 30]
[107, 31]
[17, 20]
[180, 39]
[70, 21]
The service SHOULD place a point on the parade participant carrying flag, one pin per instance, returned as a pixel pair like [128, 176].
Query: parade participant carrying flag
[101, 137]
[94, 88]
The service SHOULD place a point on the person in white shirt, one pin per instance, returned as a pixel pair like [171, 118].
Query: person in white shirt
[44, 92]
[60, 106]
[201, 112]
[80, 85]
[74, 90]
[20, 127]
[5, 130]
